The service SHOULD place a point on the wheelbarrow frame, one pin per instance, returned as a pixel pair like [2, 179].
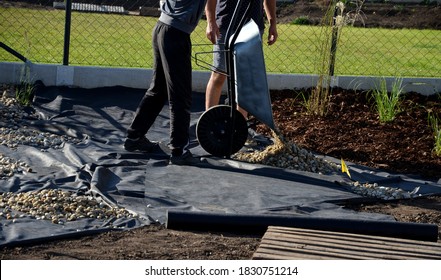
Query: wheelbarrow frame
[235, 131]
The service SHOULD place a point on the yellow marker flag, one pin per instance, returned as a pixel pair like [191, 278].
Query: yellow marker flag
[344, 168]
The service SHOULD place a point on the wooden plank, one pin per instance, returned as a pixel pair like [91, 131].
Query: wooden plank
[348, 238]
[347, 252]
[354, 244]
[296, 243]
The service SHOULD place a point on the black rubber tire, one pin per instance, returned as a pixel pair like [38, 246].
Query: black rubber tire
[213, 131]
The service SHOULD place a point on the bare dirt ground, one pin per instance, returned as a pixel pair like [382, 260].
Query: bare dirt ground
[351, 130]
[386, 15]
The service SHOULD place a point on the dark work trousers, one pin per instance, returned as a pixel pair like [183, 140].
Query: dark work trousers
[171, 81]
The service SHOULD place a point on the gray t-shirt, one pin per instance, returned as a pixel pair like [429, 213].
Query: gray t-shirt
[182, 14]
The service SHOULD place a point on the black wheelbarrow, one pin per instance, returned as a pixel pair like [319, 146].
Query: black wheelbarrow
[222, 130]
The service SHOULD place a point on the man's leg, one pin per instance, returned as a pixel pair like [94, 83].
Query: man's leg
[175, 49]
[149, 107]
[216, 82]
[214, 89]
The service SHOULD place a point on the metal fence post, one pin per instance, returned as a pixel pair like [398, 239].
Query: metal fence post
[67, 31]
[334, 38]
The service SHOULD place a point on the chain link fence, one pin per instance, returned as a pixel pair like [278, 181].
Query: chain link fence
[117, 33]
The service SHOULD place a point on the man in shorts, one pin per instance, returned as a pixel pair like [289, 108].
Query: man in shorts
[219, 14]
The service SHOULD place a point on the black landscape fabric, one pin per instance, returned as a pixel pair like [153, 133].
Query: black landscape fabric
[146, 185]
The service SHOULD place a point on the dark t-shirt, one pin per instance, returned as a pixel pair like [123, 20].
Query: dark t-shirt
[182, 14]
[225, 10]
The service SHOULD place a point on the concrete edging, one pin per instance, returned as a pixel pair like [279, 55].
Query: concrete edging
[93, 77]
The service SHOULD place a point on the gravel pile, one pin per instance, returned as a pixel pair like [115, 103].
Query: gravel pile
[10, 166]
[57, 206]
[14, 133]
[13, 137]
[382, 192]
[290, 156]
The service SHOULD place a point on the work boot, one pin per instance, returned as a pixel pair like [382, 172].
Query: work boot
[141, 144]
[185, 159]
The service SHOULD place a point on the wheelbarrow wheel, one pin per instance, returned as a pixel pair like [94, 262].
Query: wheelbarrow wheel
[214, 129]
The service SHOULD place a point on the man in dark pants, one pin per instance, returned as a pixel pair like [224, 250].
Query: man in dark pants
[172, 80]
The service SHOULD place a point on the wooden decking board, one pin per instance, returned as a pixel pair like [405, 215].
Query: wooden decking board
[296, 243]
[350, 236]
[299, 256]
[396, 248]
[350, 244]
[282, 254]
[367, 239]
[352, 251]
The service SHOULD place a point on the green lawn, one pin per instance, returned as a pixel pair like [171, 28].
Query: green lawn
[125, 41]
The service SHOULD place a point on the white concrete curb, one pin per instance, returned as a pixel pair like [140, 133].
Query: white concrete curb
[93, 77]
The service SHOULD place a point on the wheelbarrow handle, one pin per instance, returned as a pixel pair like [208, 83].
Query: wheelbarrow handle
[233, 29]
[230, 39]
[233, 32]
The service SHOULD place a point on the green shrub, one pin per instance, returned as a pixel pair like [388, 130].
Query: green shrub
[25, 90]
[388, 104]
[303, 20]
[24, 93]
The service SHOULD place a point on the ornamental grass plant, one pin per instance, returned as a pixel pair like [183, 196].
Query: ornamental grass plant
[387, 104]
[435, 124]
